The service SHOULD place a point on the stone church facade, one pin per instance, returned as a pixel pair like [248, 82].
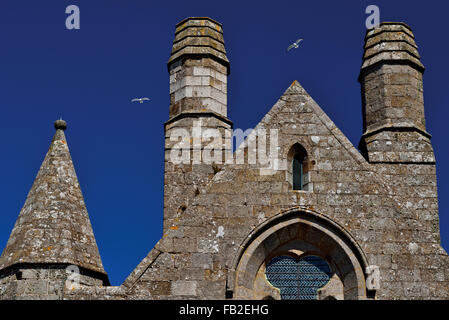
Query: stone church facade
[322, 221]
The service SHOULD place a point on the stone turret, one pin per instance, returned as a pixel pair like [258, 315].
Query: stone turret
[395, 140]
[392, 96]
[53, 231]
[198, 69]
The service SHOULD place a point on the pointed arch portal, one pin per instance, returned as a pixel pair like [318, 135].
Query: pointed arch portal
[295, 235]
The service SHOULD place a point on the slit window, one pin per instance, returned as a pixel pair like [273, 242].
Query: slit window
[298, 173]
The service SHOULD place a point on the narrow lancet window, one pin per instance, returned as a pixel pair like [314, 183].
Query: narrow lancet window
[298, 175]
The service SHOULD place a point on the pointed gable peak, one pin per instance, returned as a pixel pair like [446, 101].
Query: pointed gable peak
[294, 84]
[53, 225]
[296, 99]
[294, 91]
[295, 87]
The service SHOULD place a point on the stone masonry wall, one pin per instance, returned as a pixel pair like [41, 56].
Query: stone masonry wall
[198, 84]
[416, 266]
[42, 282]
[393, 94]
[184, 181]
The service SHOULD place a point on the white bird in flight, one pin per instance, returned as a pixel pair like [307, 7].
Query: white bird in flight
[294, 45]
[140, 100]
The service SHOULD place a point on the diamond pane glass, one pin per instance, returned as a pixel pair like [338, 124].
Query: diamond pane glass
[298, 280]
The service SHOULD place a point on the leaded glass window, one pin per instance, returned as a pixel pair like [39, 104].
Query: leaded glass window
[298, 280]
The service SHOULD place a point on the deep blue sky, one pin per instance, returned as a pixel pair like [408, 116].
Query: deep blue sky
[88, 77]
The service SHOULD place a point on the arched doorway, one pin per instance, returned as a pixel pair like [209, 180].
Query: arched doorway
[299, 234]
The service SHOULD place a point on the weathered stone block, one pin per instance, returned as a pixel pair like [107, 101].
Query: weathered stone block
[184, 288]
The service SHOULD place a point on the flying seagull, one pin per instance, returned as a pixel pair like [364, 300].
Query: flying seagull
[140, 100]
[294, 45]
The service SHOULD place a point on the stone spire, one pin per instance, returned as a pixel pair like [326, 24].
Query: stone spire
[53, 225]
[391, 79]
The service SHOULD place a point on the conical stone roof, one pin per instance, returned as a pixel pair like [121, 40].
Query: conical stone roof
[392, 42]
[53, 225]
[199, 36]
